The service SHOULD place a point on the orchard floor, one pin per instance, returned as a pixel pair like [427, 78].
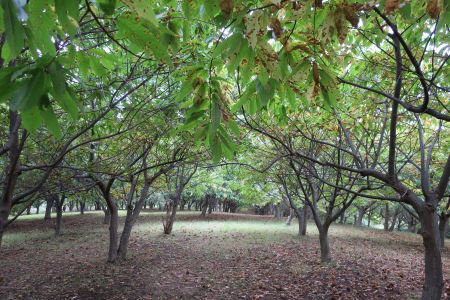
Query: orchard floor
[225, 256]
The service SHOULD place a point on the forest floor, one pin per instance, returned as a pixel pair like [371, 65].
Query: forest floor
[225, 256]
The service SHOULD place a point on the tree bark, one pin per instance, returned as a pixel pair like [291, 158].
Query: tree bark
[58, 202]
[443, 225]
[386, 217]
[359, 219]
[342, 218]
[325, 255]
[170, 219]
[205, 206]
[107, 217]
[48, 208]
[290, 217]
[11, 171]
[432, 288]
[302, 220]
[113, 226]
[130, 220]
[82, 207]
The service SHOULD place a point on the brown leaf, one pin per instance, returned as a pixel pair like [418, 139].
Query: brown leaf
[434, 8]
[391, 5]
[315, 73]
[276, 27]
[227, 7]
[350, 15]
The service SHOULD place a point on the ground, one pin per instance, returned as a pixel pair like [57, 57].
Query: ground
[225, 256]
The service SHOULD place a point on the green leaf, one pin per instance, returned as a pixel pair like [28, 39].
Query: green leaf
[211, 8]
[15, 33]
[29, 92]
[215, 114]
[41, 25]
[57, 72]
[291, 97]
[145, 39]
[31, 119]
[265, 92]
[186, 89]
[68, 12]
[234, 127]
[107, 6]
[51, 121]
[144, 10]
[2, 22]
[216, 148]
[68, 104]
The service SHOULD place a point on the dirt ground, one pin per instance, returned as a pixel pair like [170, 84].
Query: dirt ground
[225, 256]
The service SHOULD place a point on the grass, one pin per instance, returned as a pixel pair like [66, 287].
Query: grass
[150, 222]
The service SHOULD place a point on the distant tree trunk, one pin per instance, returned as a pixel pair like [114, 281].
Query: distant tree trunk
[443, 226]
[48, 209]
[170, 217]
[277, 211]
[58, 202]
[97, 205]
[386, 217]
[302, 218]
[211, 205]
[394, 220]
[205, 206]
[342, 218]
[369, 218]
[82, 206]
[359, 219]
[399, 224]
[29, 210]
[71, 205]
[290, 217]
[37, 208]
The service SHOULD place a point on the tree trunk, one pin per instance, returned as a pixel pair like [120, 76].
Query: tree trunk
[432, 289]
[359, 219]
[301, 214]
[211, 206]
[48, 208]
[394, 221]
[386, 217]
[325, 255]
[369, 218]
[130, 220]
[11, 174]
[126, 233]
[443, 225]
[28, 210]
[113, 238]
[342, 218]
[170, 218]
[58, 205]
[107, 217]
[82, 207]
[205, 206]
[290, 217]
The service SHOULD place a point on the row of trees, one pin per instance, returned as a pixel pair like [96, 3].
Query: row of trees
[328, 105]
